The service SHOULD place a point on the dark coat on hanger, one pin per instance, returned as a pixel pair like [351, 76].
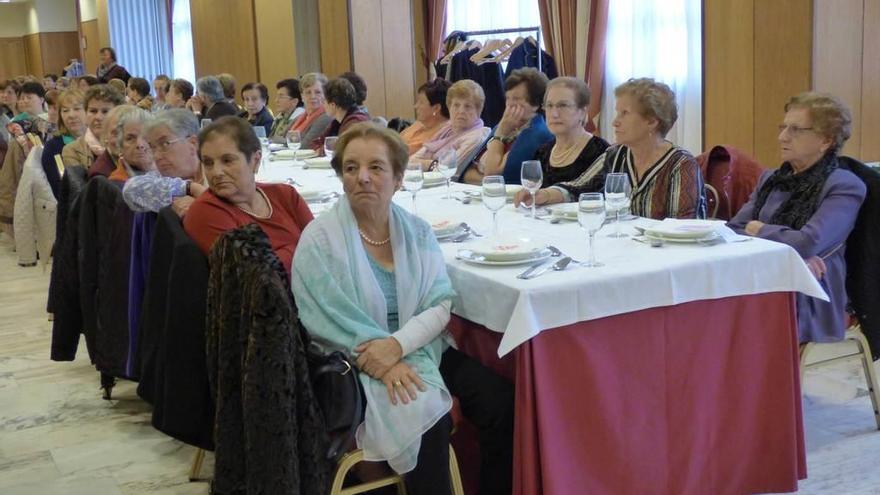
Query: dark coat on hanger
[488, 76]
[526, 55]
[269, 431]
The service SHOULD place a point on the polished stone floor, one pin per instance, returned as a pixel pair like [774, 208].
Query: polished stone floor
[57, 437]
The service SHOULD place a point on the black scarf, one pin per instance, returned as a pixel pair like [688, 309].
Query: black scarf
[805, 188]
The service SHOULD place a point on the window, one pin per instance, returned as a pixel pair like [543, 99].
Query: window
[139, 32]
[467, 15]
[659, 39]
[182, 43]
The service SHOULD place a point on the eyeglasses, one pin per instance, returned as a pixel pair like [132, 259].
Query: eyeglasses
[561, 106]
[793, 129]
[163, 146]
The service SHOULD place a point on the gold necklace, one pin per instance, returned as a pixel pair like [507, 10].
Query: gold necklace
[261, 217]
[568, 155]
[372, 242]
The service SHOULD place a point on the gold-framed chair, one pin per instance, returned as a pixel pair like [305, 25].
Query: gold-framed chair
[196, 467]
[713, 200]
[349, 460]
[853, 334]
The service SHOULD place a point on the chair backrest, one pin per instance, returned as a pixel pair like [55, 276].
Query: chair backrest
[733, 175]
[712, 200]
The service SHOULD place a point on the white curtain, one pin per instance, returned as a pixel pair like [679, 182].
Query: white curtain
[181, 29]
[139, 32]
[468, 15]
[659, 39]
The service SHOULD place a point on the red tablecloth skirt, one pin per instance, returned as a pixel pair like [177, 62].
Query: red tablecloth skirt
[698, 398]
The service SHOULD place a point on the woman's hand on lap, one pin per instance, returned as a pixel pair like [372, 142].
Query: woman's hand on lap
[376, 357]
[402, 383]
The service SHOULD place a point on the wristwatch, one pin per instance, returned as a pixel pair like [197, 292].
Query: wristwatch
[188, 189]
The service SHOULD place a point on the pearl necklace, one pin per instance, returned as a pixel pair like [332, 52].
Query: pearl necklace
[564, 157]
[372, 242]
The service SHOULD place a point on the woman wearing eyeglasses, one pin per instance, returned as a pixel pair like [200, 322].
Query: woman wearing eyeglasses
[810, 204]
[573, 149]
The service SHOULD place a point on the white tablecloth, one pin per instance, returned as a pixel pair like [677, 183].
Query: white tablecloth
[635, 276]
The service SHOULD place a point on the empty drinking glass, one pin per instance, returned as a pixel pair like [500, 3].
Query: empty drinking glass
[617, 191]
[205, 123]
[413, 179]
[447, 164]
[591, 216]
[531, 177]
[260, 131]
[329, 146]
[294, 141]
[494, 197]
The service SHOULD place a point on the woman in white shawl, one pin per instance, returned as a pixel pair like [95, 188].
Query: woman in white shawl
[369, 279]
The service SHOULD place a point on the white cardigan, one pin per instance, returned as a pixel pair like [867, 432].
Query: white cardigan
[34, 217]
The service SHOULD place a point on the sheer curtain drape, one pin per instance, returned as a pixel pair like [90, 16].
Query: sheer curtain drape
[467, 15]
[140, 34]
[659, 39]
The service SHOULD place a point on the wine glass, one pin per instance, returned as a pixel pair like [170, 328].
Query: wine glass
[260, 131]
[591, 216]
[294, 141]
[205, 123]
[447, 164]
[413, 179]
[494, 197]
[329, 146]
[617, 191]
[531, 177]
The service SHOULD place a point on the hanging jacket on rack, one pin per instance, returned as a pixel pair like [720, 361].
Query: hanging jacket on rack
[526, 55]
[488, 76]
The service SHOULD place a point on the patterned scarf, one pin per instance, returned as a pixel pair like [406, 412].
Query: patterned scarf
[805, 188]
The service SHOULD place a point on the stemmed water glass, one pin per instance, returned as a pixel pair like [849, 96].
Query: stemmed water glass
[329, 146]
[591, 216]
[447, 164]
[531, 177]
[494, 197]
[205, 123]
[294, 141]
[617, 192]
[413, 179]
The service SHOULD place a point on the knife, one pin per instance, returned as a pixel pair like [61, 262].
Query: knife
[526, 274]
[558, 266]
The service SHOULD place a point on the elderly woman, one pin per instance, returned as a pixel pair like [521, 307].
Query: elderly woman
[341, 104]
[135, 155]
[432, 114]
[572, 150]
[161, 84]
[210, 102]
[255, 95]
[178, 178]
[179, 92]
[315, 120]
[465, 100]
[230, 153]
[71, 126]
[665, 178]
[811, 205]
[98, 102]
[288, 107]
[369, 280]
[109, 69]
[138, 93]
[519, 134]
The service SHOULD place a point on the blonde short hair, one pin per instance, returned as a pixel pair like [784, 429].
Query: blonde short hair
[68, 99]
[654, 100]
[311, 78]
[577, 86]
[398, 152]
[466, 89]
[830, 116]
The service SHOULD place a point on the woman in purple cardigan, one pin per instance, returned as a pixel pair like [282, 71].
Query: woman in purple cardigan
[811, 205]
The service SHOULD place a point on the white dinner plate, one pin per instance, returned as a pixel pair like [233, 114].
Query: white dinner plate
[565, 211]
[507, 249]
[683, 229]
[318, 162]
[711, 237]
[433, 179]
[443, 226]
[469, 256]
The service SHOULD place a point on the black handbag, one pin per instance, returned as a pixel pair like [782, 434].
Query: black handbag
[340, 398]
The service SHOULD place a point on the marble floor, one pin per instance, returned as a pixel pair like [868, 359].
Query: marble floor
[57, 437]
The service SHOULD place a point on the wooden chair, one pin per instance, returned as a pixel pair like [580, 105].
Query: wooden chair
[853, 334]
[712, 200]
[350, 459]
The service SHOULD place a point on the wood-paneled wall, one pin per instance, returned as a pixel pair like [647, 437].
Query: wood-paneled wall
[845, 49]
[13, 60]
[224, 38]
[92, 44]
[58, 49]
[756, 55]
[333, 20]
[275, 42]
[33, 54]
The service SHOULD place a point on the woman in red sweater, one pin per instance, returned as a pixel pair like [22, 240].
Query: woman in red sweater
[230, 153]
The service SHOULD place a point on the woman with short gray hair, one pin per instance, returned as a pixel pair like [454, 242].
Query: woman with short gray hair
[209, 101]
[135, 157]
[315, 120]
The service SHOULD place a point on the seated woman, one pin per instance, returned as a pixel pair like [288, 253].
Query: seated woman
[288, 107]
[465, 133]
[98, 102]
[135, 156]
[315, 120]
[432, 114]
[210, 102]
[573, 149]
[138, 93]
[665, 179]
[230, 153]
[71, 126]
[31, 101]
[255, 95]
[519, 134]
[365, 247]
[179, 92]
[178, 178]
[811, 205]
[341, 104]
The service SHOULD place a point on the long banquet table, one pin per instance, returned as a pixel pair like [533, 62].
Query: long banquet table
[670, 370]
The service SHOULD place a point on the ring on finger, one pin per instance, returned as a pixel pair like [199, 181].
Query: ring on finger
[397, 383]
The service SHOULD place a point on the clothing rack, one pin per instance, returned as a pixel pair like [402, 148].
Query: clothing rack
[536, 29]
